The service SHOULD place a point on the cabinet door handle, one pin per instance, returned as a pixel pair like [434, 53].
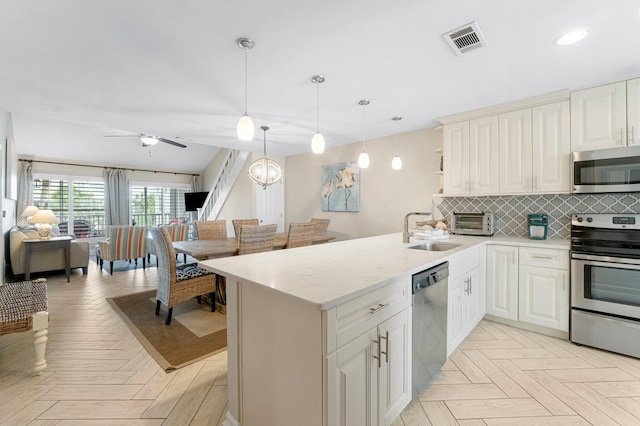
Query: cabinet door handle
[542, 257]
[513, 258]
[632, 141]
[379, 357]
[470, 282]
[564, 281]
[535, 182]
[621, 137]
[386, 347]
[380, 306]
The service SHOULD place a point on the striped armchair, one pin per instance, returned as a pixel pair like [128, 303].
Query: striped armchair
[176, 232]
[123, 243]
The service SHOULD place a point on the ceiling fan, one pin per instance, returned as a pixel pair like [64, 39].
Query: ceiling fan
[149, 140]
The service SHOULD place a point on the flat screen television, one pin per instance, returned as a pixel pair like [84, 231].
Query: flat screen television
[194, 200]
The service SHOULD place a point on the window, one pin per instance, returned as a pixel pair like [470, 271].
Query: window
[155, 206]
[80, 212]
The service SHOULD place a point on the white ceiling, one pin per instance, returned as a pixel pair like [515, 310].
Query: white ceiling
[172, 68]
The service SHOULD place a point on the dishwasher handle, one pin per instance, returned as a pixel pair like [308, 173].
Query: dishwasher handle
[429, 277]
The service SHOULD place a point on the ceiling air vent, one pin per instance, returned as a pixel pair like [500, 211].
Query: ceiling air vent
[465, 39]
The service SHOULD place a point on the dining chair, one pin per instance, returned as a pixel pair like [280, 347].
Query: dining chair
[237, 223]
[177, 286]
[321, 225]
[178, 232]
[211, 229]
[256, 238]
[300, 234]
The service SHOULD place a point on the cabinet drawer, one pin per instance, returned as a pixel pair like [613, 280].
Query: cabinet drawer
[544, 258]
[463, 262]
[353, 318]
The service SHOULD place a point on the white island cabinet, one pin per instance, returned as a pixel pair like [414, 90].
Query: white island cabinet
[321, 335]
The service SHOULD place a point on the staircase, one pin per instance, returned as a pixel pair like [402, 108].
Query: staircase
[222, 184]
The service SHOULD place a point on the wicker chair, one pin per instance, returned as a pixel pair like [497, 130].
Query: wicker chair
[237, 223]
[123, 243]
[321, 225]
[175, 287]
[300, 234]
[177, 232]
[256, 238]
[211, 229]
[23, 307]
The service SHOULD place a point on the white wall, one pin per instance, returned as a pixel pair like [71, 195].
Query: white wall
[386, 195]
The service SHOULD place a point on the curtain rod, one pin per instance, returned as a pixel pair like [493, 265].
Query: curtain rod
[105, 167]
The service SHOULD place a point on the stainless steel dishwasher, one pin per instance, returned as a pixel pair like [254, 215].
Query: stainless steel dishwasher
[430, 290]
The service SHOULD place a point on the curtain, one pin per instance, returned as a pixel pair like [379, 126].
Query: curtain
[25, 190]
[195, 186]
[116, 197]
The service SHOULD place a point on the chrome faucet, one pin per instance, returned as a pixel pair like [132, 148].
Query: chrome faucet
[405, 233]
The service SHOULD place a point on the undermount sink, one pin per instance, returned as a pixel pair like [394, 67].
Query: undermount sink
[435, 246]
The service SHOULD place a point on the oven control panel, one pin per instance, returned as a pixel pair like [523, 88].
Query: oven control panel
[607, 220]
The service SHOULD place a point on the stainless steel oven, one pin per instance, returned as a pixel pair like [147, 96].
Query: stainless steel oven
[605, 282]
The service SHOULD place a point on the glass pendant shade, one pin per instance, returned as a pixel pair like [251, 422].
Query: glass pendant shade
[317, 143]
[363, 160]
[246, 128]
[396, 163]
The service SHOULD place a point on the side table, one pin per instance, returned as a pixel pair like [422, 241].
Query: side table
[35, 245]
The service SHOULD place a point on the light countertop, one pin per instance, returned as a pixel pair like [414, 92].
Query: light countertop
[327, 275]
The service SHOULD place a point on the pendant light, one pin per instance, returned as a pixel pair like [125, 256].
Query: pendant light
[317, 143]
[245, 128]
[396, 163]
[264, 171]
[363, 158]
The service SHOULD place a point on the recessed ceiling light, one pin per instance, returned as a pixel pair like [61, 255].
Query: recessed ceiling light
[572, 37]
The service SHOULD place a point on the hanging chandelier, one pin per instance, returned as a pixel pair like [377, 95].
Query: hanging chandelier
[363, 158]
[317, 143]
[264, 171]
[396, 163]
[246, 129]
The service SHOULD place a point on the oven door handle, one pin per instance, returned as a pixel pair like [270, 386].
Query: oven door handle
[609, 259]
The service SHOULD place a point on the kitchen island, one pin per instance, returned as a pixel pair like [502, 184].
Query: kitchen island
[291, 313]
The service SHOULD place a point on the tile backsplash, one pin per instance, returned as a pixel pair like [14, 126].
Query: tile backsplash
[510, 212]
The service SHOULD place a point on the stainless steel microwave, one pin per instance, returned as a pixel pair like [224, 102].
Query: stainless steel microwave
[606, 170]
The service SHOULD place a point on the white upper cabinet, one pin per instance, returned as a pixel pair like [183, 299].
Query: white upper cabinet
[483, 154]
[599, 117]
[470, 157]
[633, 112]
[551, 147]
[456, 158]
[515, 152]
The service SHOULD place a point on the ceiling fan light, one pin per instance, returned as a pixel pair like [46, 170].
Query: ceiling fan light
[149, 140]
[396, 163]
[363, 160]
[246, 129]
[317, 143]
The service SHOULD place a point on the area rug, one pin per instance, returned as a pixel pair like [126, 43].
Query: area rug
[195, 332]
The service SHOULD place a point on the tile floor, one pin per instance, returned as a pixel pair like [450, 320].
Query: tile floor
[99, 374]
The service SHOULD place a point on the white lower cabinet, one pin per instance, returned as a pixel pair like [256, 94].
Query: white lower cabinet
[369, 378]
[502, 281]
[529, 285]
[467, 301]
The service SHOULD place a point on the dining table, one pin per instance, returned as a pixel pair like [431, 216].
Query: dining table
[212, 249]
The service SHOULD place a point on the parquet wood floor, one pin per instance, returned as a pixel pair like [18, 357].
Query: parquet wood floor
[98, 373]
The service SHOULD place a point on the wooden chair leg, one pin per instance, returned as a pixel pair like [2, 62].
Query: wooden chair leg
[40, 331]
[199, 299]
[157, 307]
[144, 263]
[168, 321]
[213, 301]
[111, 267]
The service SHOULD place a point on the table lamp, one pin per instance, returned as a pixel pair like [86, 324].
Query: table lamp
[43, 220]
[28, 212]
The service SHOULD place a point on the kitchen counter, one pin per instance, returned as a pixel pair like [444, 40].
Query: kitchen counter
[330, 274]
